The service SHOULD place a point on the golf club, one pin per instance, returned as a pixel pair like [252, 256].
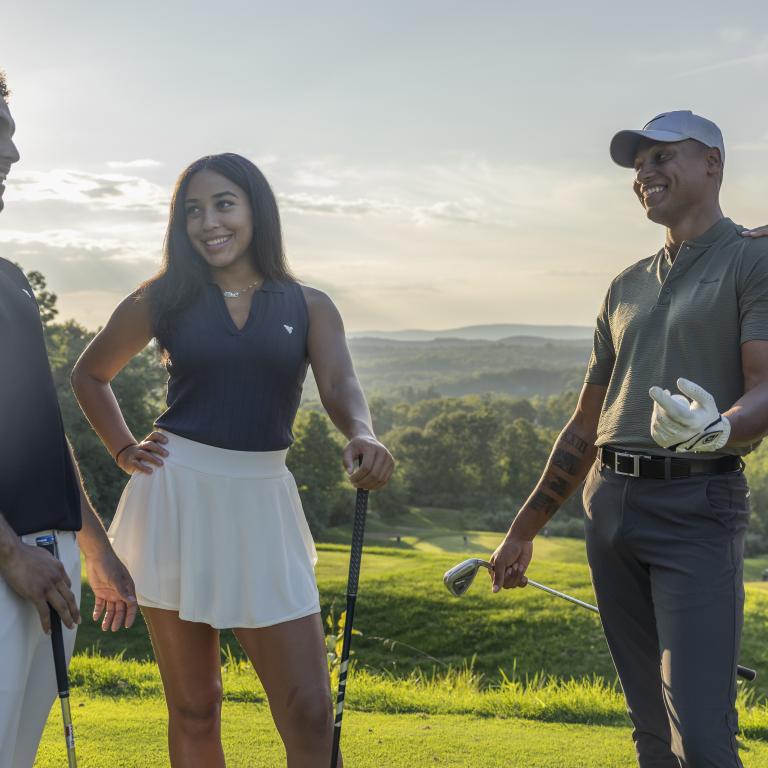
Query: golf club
[60, 663]
[459, 578]
[355, 556]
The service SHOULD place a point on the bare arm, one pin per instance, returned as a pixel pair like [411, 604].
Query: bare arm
[112, 585]
[341, 393]
[127, 332]
[572, 456]
[749, 415]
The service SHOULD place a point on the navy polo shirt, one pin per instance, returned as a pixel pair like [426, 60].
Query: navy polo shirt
[38, 484]
[233, 388]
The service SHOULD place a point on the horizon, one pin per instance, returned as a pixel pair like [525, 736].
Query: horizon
[418, 187]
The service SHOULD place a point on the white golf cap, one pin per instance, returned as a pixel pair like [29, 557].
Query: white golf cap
[667, 127]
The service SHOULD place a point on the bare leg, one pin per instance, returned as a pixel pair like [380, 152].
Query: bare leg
[290, 659]
[190, 665]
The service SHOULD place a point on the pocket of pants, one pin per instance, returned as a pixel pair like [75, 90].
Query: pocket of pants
[591, 489]
[728, 500]
[585, 490]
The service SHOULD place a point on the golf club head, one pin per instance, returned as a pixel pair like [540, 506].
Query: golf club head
[459, 578]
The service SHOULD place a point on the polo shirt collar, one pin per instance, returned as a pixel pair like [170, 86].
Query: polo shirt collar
[712, 235]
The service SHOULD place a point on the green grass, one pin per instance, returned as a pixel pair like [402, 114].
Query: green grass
[130, 732]
[589, 701]
[555, 703]
[402, 599]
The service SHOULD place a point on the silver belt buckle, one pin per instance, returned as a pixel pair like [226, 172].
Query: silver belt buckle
[635, 472]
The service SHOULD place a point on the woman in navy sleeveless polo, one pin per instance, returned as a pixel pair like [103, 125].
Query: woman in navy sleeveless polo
[210, 524]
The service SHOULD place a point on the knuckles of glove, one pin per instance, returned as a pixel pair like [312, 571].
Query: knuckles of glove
[687, 425]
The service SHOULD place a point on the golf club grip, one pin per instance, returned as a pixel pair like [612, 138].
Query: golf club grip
[358, 533]
[59, 659]
[57, 637]
[746, 672]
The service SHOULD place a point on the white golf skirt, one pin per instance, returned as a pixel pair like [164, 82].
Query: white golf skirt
[218, 536]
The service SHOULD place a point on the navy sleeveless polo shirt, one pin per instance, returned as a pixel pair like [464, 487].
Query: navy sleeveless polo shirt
[238, 389]
[38, 484]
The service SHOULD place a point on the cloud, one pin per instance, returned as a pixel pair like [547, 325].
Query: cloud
[445, 211]
[761, 145]
[304, 202]
[114, 192]
[733, 35]
[65, 245]
[144, 163]
[759, 58]
[308, 178]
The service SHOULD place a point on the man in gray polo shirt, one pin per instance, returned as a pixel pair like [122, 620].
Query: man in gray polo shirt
[665, 498]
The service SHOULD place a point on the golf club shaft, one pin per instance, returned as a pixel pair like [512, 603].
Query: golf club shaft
[745, 672]
[569, 598]
[355, 558]
[60, 665]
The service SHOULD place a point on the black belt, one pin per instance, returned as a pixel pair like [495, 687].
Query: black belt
[664, 467]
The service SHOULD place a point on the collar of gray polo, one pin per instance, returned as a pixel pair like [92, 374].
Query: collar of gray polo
[712, 235]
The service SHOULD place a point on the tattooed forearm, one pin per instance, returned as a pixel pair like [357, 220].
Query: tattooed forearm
[569, 462]
[543, 503]
[572, 439]
[565, 461]
[560, 486]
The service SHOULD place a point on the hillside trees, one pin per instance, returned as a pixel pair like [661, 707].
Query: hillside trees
[479, 454]
[315, 461]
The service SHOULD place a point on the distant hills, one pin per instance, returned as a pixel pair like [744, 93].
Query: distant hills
[495, 332]
[520, 365]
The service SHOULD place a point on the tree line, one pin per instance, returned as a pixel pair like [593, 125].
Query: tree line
[480, 454]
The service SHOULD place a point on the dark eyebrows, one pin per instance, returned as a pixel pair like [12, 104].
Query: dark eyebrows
[217, 196]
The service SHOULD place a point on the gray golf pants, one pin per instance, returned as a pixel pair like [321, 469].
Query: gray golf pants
[667, 565]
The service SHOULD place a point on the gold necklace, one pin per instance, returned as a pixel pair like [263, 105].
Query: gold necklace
[236, 294]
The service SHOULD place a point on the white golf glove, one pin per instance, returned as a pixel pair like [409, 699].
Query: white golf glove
[684, 425]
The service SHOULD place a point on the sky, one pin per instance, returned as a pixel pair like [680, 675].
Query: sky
[437, 163]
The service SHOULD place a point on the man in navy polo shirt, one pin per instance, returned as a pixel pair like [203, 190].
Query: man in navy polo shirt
[40, 492]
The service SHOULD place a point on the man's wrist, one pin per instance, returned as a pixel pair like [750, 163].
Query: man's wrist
[522, 528]
[10, 542]
[93, 547]
[361, 430]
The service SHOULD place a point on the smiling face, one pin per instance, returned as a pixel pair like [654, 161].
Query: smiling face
[219, 222]
[8, 152]
[673, 179]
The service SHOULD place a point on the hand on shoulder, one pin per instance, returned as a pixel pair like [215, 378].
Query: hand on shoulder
[756, 232]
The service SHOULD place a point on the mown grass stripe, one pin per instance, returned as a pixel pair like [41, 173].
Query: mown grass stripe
[589, 701]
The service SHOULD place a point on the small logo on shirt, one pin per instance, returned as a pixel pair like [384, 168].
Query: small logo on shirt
[288, 328]
[28, 293]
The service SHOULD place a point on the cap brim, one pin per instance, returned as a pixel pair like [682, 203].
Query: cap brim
[624, 144]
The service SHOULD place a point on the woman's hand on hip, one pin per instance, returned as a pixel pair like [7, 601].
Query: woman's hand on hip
[376, 464]
[145, 455]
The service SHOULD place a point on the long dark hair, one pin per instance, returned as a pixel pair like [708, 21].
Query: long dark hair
[184, 272]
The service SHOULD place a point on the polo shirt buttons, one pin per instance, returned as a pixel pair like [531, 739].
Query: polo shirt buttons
[667, 290]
